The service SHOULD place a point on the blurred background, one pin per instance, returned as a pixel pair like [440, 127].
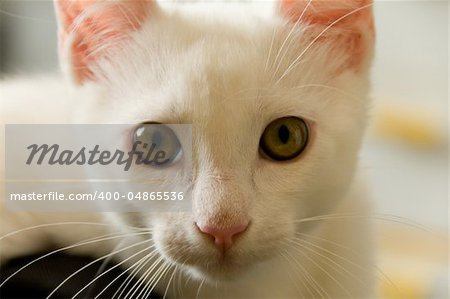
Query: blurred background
[405, 156]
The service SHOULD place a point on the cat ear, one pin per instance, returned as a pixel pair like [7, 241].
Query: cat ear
[89, 28]
[347, 23]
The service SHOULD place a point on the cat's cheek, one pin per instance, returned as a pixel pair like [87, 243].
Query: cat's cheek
[177, 240]
[269, 239]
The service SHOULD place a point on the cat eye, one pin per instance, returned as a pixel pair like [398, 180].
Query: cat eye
[157, 144]
[284, 138]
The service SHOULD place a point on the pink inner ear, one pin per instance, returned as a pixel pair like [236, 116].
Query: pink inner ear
[93, 25]
[353, 17]
[325, 12]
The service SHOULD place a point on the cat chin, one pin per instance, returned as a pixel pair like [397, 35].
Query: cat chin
[224, 274]
[214, 268]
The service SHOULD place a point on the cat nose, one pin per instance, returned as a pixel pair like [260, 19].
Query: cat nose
[223, 237]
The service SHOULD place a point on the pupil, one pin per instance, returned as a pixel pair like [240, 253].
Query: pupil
[283, 134]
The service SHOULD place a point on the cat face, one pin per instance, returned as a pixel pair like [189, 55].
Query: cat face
[231, 77]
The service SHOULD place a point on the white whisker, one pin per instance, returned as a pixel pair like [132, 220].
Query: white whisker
[135, 265]
[323, 270]
[110, 269]
[151, 286]
[93, 262]
[269, 55]
[302, 278]
[53, 224]
[353, 252]
[312, 281]
[305, 245]
[354, 216]
[82, 243]
[294, 63]
[293, 28]
[142, 279]
[123, 286]
[199, 288]
[170, 280]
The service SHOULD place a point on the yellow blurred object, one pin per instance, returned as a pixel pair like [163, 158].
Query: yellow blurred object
[411, 259]
[403, 289]
[411, 125]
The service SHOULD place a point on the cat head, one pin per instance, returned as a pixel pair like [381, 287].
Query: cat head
[277, 103]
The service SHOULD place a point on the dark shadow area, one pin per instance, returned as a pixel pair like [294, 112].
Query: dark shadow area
[41, 278]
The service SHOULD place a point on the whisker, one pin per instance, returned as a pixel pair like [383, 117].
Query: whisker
[104, 264]
[302, 278]
[110, 269]
[347, 94]
[304, 244]
[135, 265]
[354, 216]
[269, 55]
[28, 18]
[142, 279]
[123, 286]
[324, 271]
[199, 288]
[312, 281]
[379, 271]
[179, 282]
[152, 282]
[293, 64]
[82, 243]
[170, 280]
[151, 286]
[294, 27]
[56, 224]
[93, 262]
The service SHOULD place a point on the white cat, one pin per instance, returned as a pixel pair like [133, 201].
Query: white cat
[278, 102]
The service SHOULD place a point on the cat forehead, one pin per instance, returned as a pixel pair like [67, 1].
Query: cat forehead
[187, 67]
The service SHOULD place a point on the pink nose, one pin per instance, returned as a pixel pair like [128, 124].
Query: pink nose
[223, 237]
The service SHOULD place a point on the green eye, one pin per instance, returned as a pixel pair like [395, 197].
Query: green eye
[157, 144]
[284, 138]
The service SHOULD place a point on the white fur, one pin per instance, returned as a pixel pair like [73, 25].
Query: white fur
[218, 73]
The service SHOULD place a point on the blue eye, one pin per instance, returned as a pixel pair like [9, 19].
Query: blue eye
[157, 144]
[157, 139]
